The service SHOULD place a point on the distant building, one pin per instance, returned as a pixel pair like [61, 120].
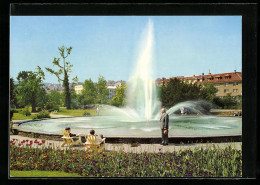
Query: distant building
[53, 87]
[112, 92]
[224, 82]
[78, 89]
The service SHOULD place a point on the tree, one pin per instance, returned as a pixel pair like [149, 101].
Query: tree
[176, 91]
[29, 87]
[119, 99]
[54, 100]
[89, 92]
[102, 91]
[64, 69]
[13, 94]
[208, 92]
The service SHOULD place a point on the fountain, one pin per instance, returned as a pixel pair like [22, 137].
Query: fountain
[140, 116]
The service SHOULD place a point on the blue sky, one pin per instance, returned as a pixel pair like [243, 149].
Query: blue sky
[107, 45]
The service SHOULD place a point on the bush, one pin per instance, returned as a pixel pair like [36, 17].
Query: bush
[86, 114]
[42, 114]
[14, 110]
[39, 109]
[26, 111]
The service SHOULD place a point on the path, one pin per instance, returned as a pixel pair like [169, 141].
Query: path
[138, 149]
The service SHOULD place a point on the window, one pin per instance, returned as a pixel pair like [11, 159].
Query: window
[235, 83]
[235, 90]
[226, 90]
[217, 85]
[225, 84]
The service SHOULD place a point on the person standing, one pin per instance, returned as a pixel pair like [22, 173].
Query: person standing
[164, 123]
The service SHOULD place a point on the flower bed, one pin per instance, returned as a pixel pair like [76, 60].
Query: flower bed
[209, 162]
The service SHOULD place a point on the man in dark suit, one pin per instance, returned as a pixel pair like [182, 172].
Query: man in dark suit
[164, 123]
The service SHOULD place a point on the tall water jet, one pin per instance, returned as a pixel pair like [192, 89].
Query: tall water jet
[141, 88]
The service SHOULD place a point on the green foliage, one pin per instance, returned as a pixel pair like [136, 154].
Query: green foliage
[54, 101]
[208, 92]
[30, 87]
[119, 99]
[176, 91]
[14, 110]
[64, 69]
[42, 114]
[227, 102]
[86, 114]
[102, 91]
[89, 93]
[74, 100]
[25, 111]
[13, 94]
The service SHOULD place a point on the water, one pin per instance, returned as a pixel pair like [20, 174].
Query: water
[140, 116]
[121, 126]
[142, 98]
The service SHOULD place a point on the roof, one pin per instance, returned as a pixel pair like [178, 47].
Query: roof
[233, 77]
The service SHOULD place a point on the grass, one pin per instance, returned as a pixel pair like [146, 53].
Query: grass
[38, 173]
[76, 112]
[18, 116]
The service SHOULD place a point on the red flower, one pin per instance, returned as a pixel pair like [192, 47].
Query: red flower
[26, 140]
[43, 141]
[50, 143]
[159, 149]
[39, 144]
[11, 145]
[19, 144]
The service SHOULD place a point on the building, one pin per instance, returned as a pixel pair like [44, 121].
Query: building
[224, 82]
[112, 92]
[78, 89]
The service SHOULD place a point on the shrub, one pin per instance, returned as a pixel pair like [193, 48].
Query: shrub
[39, 109]
[14, 110]
[86, 114]
[25, 111]
[42, 114]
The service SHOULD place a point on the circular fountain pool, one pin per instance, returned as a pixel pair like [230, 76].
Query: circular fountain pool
[117, 126]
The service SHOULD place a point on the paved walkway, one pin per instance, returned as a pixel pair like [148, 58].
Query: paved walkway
[136, 149]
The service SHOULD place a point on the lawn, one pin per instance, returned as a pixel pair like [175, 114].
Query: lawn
[76, 112]
[38, 173]
[18, 116]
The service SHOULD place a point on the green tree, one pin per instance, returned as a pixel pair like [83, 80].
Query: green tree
[64, 69]
[13, 94]
[54, 100]
[119, 99]
[176, 91]
[89, 93]
[29, 87]
[208, 92]
[102, 91]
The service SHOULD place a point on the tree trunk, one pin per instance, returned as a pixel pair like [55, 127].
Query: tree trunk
[33, 103]
[66, 90]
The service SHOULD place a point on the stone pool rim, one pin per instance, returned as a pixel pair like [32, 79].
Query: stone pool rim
[130, 139]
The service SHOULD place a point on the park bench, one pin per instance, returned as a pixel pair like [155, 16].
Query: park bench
[93, 144]
[69, 140]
